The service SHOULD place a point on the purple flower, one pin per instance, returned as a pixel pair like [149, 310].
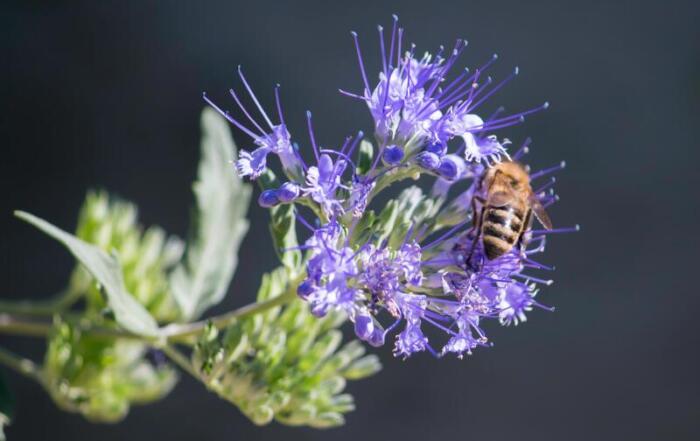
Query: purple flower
[414, 103]
[274, 138]
[329, 269]
[463, 341]
[252, 164]
[411, 340]
[322, 183]
[367, 327]
[516, 300]
[359, 196]
[385, 272]
[448, 283]
[439, 276]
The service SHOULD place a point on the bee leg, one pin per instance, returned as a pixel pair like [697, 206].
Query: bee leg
[526, 227]
[476, 227]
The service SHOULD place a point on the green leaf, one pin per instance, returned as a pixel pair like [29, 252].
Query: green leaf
[105, 268]
[366, 153]
[203, 277]
[284, 235]
[283, 227]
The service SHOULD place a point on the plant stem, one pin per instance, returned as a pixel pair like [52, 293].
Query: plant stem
[14, 325]
[179, 359]
[178, 331]
[26, 327]
[41, 308]
[22, 365]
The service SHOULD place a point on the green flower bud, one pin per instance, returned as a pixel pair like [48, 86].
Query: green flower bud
[145, 257]
[363, 367]
[101, 378]
[283, 364]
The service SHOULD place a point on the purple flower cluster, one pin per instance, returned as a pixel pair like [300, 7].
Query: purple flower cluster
[414, 104]
[398, 267]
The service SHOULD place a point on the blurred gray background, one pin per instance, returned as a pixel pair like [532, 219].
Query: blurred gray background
[108, 94]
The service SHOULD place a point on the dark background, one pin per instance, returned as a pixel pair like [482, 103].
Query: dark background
[108, 94]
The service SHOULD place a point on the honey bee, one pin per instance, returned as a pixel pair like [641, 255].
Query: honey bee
[507, 204]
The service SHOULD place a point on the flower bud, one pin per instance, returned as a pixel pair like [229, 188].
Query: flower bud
[363, 367]
[288, 192]
[451, 167]
[305, 288]
[268, 198]
[392, 155]
[364, 326]
[438, 148]
[428, 160]
[377, 338]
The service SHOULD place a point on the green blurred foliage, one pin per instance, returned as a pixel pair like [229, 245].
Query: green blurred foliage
[145, 256]
[284, 364]
[101, 377]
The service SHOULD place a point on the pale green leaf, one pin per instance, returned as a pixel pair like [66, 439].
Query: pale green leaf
[283, 226]
[364, 162]
[220, 224]
[105, 268]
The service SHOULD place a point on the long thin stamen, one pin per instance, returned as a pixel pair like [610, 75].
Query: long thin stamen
[229, 118]
[393, 38]
[398, 49]
[311, 135]
[523, 150]
[539, 265]
[476, 91]
[469, 81]
[298, 155]
[547, 171]
[303, 221]
[245, 112]
[573, 229]
[345, 144]
[546, 186]
[534, 279]
[459, 47]
[361, 63]
[279, 105]
[383, 51]
[495, 89]
[253, 97]
[352, 95]
[453, 83]
[446, 235]
[509, 120]
[554, 200]
[355, 143]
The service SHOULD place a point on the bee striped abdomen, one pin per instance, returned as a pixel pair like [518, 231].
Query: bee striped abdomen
[501, 230]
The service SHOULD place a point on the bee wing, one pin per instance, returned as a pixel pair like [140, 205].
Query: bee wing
[539, 211]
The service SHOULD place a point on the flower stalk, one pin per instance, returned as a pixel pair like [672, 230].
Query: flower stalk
[16, 324]
[62, 302]
[21, 365]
